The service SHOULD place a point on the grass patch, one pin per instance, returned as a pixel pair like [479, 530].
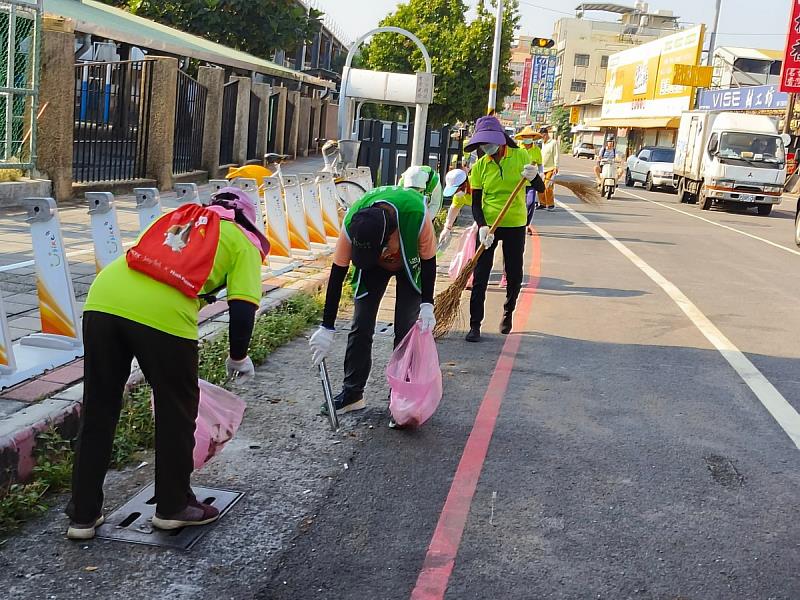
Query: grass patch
[20, 502]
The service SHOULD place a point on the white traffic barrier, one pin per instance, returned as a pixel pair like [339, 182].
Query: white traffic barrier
[295, 214]
[314, 220]
[329, 202]
[351, 174]
[218, 184]
[105, 228]
[364, 177]
[148, 206]
[250, 187]
[60, 339]
[7, 362]
[187, 194]
[277, 223]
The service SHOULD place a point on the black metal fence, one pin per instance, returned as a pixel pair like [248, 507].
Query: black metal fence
[287, 131]
[230, 97]
[254, 121]
[190, 119]
[112, 114]
[272, 124]
[386, 149]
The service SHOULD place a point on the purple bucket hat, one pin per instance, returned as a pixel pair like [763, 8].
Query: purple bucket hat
[489, 130]
[243, 202]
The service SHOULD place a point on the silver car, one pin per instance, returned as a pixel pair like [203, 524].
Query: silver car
[652, 167]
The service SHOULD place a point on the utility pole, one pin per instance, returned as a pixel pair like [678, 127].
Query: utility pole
[498, 37]
[712, 43]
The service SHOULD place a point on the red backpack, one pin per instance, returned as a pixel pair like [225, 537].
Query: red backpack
[179, 248]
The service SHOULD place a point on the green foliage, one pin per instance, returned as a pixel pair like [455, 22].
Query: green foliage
[259, 27]
[561, 122]
[136, 428]
[460, 51]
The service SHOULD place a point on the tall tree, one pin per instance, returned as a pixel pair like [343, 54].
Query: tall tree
[461, 53]
[259, 27]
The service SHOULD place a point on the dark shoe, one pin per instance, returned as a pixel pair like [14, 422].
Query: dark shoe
[84, 531]
[345, 403]
[195, 513]
[506, 323]
[474, 335]
[551, 208]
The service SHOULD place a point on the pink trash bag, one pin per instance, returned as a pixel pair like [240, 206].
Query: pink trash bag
[466, 251]
[415, 379]
[218, 418]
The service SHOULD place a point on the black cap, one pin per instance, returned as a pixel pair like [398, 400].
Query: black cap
[368, 230]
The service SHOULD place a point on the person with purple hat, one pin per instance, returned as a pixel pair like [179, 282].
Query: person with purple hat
[129, 314]
[493, 178]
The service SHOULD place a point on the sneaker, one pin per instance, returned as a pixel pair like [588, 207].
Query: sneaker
[506, 323]
[84, 531]
[195, 513]
[474, 335]
[345, 403]
[551, 208]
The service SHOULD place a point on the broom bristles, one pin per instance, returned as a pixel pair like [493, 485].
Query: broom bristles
[585, 191]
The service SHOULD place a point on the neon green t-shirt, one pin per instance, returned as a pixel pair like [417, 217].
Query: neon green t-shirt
[462, 201]
[497, 182]
[126, 293]
[535, 154]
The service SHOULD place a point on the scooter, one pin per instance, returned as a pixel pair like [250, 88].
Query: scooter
[608, 178]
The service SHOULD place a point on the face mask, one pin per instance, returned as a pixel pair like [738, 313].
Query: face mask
[490, 149]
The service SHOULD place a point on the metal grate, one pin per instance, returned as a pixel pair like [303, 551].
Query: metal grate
[112, 118]
[131, 522]
[230, 97]
[190, 119]
[20, 31]
[254, 120]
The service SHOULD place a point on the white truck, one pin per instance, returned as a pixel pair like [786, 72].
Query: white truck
[730, 158]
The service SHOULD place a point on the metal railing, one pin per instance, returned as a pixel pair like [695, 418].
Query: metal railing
[272, 123]
[254, 121]
[230, 97]
[112, 116]
[20, 32]
[190, 119]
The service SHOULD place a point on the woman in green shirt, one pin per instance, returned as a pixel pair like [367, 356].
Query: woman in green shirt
[493, 178]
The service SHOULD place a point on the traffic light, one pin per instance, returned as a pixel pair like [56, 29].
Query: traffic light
[542, 43]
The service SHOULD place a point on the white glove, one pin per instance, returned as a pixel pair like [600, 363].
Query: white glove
[530, 172]
[485, 238]
[444, 237]
[320, 343]
[240, 369]
[426, 316]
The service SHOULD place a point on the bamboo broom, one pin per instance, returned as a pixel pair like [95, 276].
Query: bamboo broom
[447, 304]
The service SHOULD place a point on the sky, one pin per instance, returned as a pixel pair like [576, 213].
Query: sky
[760, 24]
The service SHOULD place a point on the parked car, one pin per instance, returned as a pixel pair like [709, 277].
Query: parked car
[584, 149]
[652, 167]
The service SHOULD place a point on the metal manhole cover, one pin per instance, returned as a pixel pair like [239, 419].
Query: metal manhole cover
[131, 522]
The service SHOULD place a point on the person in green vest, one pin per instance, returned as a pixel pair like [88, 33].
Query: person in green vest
[385, 234]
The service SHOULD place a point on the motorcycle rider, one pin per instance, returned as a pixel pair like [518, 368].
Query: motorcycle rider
[607, 154]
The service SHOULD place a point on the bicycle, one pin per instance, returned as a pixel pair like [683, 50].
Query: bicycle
[338, 156]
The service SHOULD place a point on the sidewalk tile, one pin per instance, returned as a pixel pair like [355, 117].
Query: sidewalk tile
[8, 407]
[67, 374]
[32, 390]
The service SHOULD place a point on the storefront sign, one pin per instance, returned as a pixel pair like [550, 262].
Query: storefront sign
[790, 75]
[526, 84]
[760, 97]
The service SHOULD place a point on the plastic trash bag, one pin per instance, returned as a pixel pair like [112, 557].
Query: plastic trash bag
[218, 418]
[468, 244]
[415, 379]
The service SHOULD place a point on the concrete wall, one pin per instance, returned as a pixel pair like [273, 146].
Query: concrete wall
[303, 126]
[293, 100]
[263, 91]
[280, 130]
[55, 126]
[242, 120]
[162, 121]
[214, 80]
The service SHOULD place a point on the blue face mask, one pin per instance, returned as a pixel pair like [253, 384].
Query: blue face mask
[490, 149]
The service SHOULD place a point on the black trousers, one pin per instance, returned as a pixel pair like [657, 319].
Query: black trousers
[358, 357]
[169, 364]
[513, 239]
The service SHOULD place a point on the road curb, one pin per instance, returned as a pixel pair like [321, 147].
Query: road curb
[61, 411]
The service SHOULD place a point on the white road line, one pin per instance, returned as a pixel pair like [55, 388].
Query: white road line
[739, 231]
[780, 409]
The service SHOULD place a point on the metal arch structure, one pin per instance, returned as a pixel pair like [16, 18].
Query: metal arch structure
[422, 98]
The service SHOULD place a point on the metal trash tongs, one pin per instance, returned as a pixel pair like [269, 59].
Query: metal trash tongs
[333, 418]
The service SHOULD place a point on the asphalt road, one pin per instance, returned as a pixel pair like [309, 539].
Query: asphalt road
[636, 437]
[629, 457]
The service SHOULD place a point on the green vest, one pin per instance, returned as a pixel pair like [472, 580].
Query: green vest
[409, 205]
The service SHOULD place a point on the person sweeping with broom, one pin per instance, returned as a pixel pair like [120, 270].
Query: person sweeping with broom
[495, 176]
[385, 234]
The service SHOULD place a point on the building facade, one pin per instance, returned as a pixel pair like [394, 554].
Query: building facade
[583, 45]
[744, 67]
